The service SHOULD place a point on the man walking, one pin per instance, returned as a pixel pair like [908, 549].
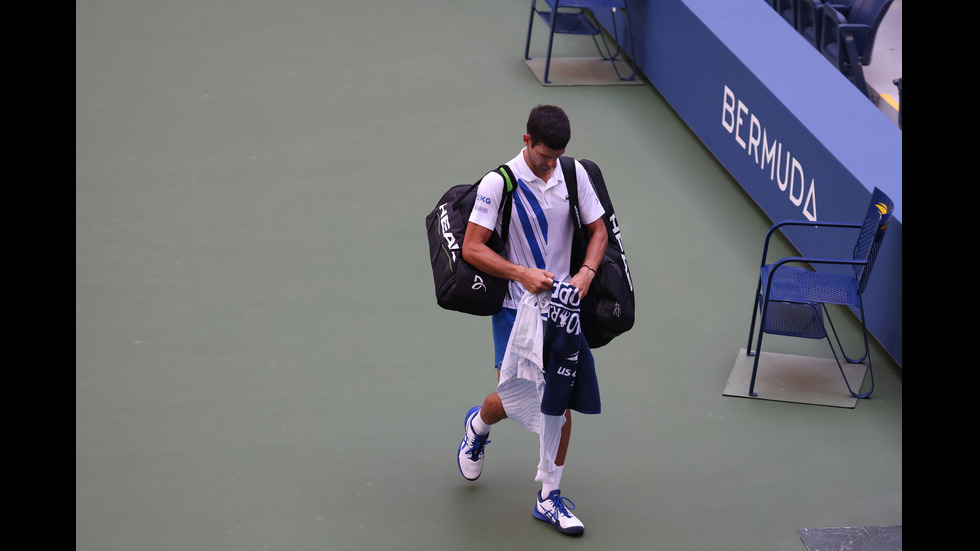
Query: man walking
[539, 251]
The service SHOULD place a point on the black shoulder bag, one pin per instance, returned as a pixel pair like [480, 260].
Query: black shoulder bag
[460, 286]
[608, 309]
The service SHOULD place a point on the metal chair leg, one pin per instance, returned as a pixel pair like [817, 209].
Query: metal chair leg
[755, 310]
[551, 40]
[530, 23]
[758, 353]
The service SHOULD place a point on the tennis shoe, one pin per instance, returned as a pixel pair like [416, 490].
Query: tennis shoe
[471, 448]
[558, 511]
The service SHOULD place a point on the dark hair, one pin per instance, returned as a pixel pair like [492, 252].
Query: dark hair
[549, 125]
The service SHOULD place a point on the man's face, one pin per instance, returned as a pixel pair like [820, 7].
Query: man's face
[541, 158]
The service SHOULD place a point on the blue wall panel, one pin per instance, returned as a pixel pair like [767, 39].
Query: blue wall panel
[801, 140]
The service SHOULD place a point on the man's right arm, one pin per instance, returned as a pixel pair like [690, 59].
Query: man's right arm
[478, 254]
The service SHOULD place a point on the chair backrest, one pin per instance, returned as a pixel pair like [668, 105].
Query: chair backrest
[868, 13]
[789, 9]
[810, 18]
[872, 232]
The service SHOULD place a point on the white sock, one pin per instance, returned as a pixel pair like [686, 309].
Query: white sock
[551, 481]
[479, 426]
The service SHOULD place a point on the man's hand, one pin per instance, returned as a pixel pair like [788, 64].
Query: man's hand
[536, 280]
[582, 280]
[593, 256]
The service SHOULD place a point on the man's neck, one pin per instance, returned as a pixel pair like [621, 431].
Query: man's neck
[544, 177]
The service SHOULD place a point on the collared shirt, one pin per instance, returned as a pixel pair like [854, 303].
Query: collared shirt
[541, 227]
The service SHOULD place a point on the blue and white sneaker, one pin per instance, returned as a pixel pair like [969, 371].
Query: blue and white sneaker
[557, 510]
[471, 448]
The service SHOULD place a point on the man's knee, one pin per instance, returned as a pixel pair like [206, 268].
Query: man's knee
[493, 409]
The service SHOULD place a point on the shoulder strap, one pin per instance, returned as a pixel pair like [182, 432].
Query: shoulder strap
[579, 240]
[510, 182]
[571, 185]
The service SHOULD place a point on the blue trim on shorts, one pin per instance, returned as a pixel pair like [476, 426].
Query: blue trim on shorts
[503, 323]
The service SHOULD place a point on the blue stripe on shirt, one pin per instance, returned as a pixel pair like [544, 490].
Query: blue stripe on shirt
[527, 225]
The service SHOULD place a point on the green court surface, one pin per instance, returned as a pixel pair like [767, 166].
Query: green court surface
[260, 363]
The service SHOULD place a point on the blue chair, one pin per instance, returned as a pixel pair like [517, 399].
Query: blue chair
[847, 36]
[791, 300]
[789, 9]
[810, 18]
[577, 18]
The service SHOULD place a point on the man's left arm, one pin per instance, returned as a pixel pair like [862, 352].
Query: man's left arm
[598, 240]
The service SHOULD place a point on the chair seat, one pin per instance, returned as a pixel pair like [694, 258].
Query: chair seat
[792, 284]
[795, 319]
[591, 4]
[569, 23]
[831, 50]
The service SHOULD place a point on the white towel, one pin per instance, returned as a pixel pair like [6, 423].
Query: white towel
[527, 336]
[521, 384]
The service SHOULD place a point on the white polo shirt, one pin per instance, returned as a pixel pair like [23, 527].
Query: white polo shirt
[541, 227]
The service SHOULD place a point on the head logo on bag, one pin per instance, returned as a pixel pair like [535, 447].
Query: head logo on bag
[451, 245]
